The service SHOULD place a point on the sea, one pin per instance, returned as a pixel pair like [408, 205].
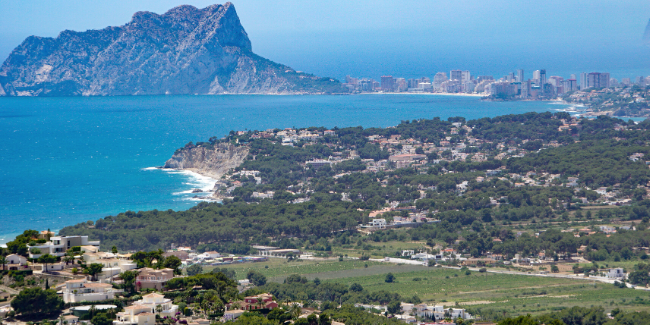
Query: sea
[74, 159]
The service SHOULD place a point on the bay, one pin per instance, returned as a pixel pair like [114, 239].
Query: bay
[73, 159]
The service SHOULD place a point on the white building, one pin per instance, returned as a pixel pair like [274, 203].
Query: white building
[379, 223]
[15, 262]
[58, 245]
[144, 311]
[111, 265]
[82, 290]
[616, 273]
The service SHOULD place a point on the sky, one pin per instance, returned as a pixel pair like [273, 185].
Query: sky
[402, 38]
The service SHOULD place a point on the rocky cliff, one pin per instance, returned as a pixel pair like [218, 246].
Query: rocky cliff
[184, 51]
[212, 162]
[646, 36]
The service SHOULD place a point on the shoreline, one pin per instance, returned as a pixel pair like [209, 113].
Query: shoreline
[426, 94]
[197, 180]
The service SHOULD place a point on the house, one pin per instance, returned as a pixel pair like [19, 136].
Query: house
[15, 262]
[616, 273]
[232, 314]
[378, 222]
[149, 278]
[111, 265]
[261, 301]
[58, 245]
[83, 290]
[210, 255]
[144, 311]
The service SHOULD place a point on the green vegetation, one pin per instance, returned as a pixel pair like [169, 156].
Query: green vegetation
[37, 302]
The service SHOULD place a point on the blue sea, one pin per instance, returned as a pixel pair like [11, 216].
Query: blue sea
[69, 160]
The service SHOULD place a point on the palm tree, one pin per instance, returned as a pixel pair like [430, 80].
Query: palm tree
[159, 309]
[295, 310]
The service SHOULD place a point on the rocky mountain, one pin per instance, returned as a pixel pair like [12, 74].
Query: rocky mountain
[184, 51]
[213, 162]
[646, 36]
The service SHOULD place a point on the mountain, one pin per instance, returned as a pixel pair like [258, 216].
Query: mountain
[646, 36]
[184, 51]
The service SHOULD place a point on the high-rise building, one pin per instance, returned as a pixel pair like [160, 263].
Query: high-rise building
[597, 80]
[525, 89]
[351, 81]
[400, 84]
[456, 75]
[439, 78]
[465, 76]
[387, 83]
[626, 81]
[583, 80]
[570, 85]
[520, 75]
[542, 77]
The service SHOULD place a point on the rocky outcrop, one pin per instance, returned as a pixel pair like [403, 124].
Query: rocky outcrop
[646, 36]
[212, 162]
[184, 51]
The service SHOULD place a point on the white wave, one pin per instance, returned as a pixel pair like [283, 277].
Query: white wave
[151, 168]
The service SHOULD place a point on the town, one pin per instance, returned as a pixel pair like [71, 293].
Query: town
[512, 86]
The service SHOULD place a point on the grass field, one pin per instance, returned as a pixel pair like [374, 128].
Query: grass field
[518, 294]
[281, 268]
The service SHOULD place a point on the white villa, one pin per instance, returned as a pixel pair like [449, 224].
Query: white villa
[112, 265]
[58, 245]
[143, 312]
[435, 312]
[82, 290]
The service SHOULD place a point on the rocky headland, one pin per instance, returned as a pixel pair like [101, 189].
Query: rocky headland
[184, 51]
[212, 162]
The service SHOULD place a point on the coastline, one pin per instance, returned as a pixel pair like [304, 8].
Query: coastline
[427, 94]
[197, 180]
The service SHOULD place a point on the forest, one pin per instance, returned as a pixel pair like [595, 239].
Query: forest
[341, 197]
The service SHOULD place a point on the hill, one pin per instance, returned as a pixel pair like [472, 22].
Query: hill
[184, 51]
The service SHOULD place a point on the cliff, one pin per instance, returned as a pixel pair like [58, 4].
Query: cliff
[184, 51]
[213, 162]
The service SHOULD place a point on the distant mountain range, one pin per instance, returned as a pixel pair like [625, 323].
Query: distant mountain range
[184, 51]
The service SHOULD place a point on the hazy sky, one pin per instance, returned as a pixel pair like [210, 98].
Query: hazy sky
[374, 37]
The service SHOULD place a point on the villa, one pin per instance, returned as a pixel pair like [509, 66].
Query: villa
[58, 245]
[83, 290]
[143, 312]
[153, 279]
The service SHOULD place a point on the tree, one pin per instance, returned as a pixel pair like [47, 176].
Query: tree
[258, 279]
[173, 263]
[114, 250]
[389, 278]
[555, 269]
[295, 310]
[129, 279]
[356, 287]
[101, 319]
[93, 269]
[36, 301]
[3, 261]
[394, 307]
[47, 259]
[194, 269]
